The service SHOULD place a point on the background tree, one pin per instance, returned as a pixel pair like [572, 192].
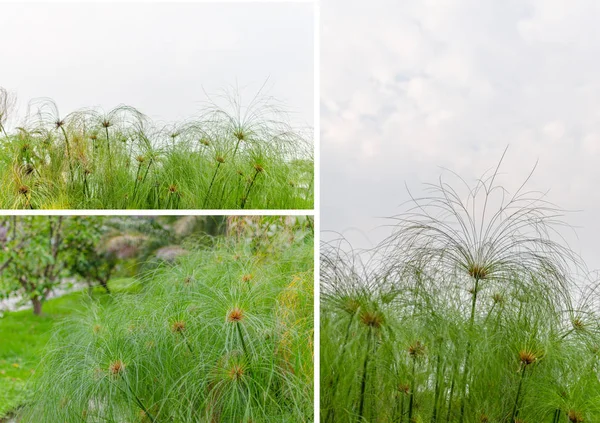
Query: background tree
[87, 258]
[31, 257]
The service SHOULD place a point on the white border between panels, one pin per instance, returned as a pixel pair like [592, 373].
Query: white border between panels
[169, 212]
[317, 207]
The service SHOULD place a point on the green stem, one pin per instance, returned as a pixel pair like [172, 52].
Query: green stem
[330, 411]
[468, 355]
[363, 384]
[4, 131]
[188, 344]
[515, 411]
[210, 186]
[242, 341]
[236, 149]
[137, 175]
[137, 400]
[411, 400]
[249, 188]
[147, 170]
[108, 147]
[402, 408]
[489, 314]
[85, 185]
[68, 151]
[343, 351]
[556, 416]
[437, 389]
[451, 397]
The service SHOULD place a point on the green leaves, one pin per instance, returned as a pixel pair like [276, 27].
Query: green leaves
[201, 342]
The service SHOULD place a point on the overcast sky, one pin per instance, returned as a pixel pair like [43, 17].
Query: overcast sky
[410, 86]
[157, 57]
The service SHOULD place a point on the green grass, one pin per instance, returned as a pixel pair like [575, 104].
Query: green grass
[23, 337]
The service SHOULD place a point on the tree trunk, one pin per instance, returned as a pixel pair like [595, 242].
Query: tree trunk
[104, 284]
[37, 306]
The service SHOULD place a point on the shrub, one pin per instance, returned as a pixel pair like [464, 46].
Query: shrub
[220, 335]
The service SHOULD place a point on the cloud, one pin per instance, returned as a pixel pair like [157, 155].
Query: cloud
[408, 87]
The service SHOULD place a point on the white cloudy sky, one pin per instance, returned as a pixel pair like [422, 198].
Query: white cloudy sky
[410, 86]
[157, 57]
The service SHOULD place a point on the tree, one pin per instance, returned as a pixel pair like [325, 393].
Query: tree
[87, 259]
[31, 265]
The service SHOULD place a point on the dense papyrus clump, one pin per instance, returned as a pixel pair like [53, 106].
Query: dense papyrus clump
[229, 156]
[471, 311]
[218, 335]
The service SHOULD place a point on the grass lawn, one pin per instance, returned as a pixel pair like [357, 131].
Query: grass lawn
[24, 335]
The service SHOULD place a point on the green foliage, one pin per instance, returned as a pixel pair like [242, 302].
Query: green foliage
[222, 334]
[469, 312]
[31, 260]
[85, 258]
[227, 158]
[40, 253]
[24, 337]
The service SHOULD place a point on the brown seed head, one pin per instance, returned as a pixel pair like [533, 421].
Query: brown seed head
[140, 159]
[498, 298]
[351, 305]
[578, 324]
[59, 123]
[239, 134]
[235, 315]
[220, 159]
[93, 137]
[416, 349]
[172, 188]
[484, 419]
[97, 328]
[116, 367]
[527, 357]
[372, 319]
[236, 372]
[24, 189]
[106, 123]
[258, 168]
[404, 388]
[205, 141]
[477, 271]
[247, 278]
[575, 416]
[178, 326]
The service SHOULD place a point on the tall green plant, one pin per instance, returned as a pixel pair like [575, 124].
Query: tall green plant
[481, 288]
[227, 157]
[222, 334]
